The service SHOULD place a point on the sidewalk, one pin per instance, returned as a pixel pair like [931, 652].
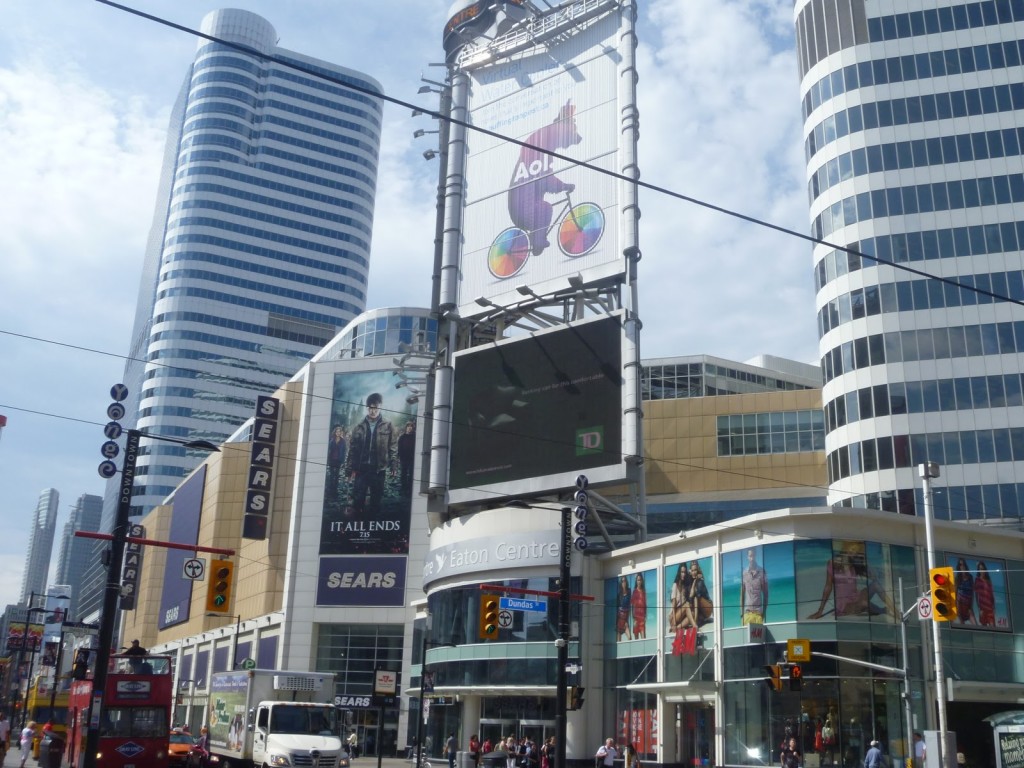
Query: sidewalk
[13, 760]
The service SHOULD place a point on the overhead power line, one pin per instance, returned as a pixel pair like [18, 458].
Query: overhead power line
[551, 153]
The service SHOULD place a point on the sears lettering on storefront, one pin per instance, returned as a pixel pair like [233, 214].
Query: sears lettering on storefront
[352, 701]
[363, 580]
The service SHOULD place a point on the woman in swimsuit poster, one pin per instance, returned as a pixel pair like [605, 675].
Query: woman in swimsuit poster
[850, 587]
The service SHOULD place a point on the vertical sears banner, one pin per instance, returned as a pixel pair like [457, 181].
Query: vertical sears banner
[262, 458]
[531, 219]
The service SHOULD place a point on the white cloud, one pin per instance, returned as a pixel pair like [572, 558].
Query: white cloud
[719, 120]
[78, 188]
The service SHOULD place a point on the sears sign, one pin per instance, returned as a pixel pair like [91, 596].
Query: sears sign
[366, 580]
[261, 468]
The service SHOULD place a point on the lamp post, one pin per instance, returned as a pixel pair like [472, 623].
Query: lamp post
[233, 652]
[426, 643]
[56, 670]
[928, 472]
[112, 592]
[190, 685]
[31, 658]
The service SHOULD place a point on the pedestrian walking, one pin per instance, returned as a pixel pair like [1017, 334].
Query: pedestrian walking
[874, 757]
[606, 754]
[5, 735]
[451, 748]
[28, 734]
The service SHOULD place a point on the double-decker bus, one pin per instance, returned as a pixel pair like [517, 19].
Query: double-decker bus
[135, 718]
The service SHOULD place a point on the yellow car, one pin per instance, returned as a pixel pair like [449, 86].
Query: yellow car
[178, 747]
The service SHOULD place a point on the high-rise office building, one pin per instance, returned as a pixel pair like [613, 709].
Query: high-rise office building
[913, 132]
[40, 545]
[75, 552]
[260, 246]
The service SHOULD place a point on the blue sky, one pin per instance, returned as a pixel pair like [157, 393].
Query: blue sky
[85, 94]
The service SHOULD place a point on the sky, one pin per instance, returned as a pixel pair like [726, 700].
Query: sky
[85, 96]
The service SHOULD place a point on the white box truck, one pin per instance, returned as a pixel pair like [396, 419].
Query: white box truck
[264, 717]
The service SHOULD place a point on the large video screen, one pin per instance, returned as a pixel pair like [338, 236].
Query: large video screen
[530, 413]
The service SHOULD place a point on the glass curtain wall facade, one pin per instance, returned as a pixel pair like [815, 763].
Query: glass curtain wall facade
[260, 246]
[912, 137]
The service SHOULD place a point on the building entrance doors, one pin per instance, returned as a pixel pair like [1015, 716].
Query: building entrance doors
[696, 737]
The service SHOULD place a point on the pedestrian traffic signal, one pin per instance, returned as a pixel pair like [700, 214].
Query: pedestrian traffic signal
[796, 678]
[218, 590]
[576, 697]
[774, 679]
[488, 617]
[943, 594]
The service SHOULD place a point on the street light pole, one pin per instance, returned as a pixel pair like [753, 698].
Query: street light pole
[21, 657]
[424, 645]
[56, 670]
[928, 472]
[562, 643]
[233, 648]
[112, 592]
[423, 693]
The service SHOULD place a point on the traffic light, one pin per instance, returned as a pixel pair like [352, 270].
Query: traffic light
[796, 678]
[218, 590]
[488, 617]
[774, 679]
[943, 594]
[576, 697]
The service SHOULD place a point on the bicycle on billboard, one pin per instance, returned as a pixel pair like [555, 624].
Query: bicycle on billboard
[579, 226]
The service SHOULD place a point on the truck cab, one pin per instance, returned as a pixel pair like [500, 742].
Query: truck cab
[296, 734]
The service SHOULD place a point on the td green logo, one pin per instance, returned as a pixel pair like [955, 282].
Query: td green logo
[589, 441]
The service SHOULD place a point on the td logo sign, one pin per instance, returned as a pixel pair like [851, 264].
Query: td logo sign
[589, 441]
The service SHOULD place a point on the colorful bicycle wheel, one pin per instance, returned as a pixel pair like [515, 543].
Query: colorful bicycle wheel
[508, 253]
[581, 229]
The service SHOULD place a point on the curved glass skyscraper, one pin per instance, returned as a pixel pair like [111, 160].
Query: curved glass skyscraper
[260, 247]
[913, 136]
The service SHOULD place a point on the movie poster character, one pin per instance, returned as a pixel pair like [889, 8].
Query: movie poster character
[372, 457]
[407, 456]
[337, 453]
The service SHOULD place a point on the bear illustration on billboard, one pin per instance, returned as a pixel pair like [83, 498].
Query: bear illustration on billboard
[534, 177]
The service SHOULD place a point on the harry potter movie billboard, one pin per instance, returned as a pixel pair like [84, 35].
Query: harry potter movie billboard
[371, 452]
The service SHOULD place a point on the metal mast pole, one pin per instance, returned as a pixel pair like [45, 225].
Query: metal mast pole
[929, 471]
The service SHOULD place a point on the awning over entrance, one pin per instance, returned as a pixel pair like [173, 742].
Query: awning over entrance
[1013, 717]
[990, 693]
[685, 691]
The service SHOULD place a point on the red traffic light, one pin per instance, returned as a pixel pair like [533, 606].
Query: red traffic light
[943, 594]
[796, 677]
